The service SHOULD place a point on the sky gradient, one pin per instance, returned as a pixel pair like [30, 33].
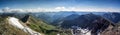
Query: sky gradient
[63, 5]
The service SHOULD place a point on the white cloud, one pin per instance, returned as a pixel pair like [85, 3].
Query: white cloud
[6, 9]
[57, 9]
[60, 8]
[1, 10]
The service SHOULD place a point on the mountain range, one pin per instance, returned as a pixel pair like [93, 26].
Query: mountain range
[52, 23]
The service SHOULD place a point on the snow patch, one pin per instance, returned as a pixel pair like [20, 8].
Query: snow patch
[15, 22]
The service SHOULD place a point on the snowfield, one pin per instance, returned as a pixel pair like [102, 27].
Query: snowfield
[15, 22]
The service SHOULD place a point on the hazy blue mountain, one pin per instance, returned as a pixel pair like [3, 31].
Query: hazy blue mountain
[114, 17]
[46, 16]
[70, 17]
[52, 16]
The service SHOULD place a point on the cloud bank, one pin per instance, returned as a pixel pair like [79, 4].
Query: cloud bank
[58, 9]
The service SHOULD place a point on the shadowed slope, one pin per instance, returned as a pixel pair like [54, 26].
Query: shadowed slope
[95, 23]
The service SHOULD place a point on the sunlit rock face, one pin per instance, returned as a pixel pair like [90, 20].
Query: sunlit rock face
[79, 31]
[85, 32]
[111, 30]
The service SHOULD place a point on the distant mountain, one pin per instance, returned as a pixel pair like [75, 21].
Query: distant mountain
[17, 15]
[70, 17]
[90, 21]
[51, 17]
[114, 17]
[45, 16]
[60, 15]
[80, 21]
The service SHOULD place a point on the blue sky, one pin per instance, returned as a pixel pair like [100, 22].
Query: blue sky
[26, 4]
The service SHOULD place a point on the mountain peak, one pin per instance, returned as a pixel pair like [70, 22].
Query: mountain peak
[71, 17]
[88, 21]
[114, 17]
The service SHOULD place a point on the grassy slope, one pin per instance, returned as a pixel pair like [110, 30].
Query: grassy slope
[6, 29]
[42, 27]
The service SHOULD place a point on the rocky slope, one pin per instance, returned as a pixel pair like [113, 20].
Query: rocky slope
[114, 17]
[92, 22]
